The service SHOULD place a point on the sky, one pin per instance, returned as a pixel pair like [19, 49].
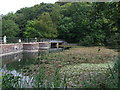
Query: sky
[7, 6]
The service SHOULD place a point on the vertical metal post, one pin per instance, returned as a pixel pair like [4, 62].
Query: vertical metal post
[57, 45]
[4, 39]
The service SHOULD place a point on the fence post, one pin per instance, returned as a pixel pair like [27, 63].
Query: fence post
[27, 39]
[35, 39]
[19, 40]
[4, 39]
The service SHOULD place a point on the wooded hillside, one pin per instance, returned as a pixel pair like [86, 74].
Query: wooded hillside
[83, 23]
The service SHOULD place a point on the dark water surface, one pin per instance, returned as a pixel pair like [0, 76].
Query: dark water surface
[15, 62]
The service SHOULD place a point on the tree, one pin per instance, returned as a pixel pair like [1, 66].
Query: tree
[21, 21]
[90, 22]
[10, 29]
[105, 20]
[10, 16]
[48, 27]
[75, 21]
[55, 14]
[42, 27]
[30, 30]
[83, 23]
[31, 13]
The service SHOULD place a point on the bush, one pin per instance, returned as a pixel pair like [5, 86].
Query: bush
[10, 81]
[87, 41]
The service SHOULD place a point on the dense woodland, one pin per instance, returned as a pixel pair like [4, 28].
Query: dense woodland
[83, 23]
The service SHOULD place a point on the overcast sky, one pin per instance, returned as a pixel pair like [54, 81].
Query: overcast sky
[14, 5]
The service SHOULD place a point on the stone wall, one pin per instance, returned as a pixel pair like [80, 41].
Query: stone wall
[7, 49]
[44, 45]
[30, 47]
[11, 48]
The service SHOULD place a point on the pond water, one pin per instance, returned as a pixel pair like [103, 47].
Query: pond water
[15, 62]
[42, 71]
[19, 60]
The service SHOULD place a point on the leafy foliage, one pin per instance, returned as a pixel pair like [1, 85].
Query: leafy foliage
[83, 23]
[43, 27]
[9, 28]
[10, 81]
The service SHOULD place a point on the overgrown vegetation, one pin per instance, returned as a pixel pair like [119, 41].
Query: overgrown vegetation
[80, 67]
[87, 24]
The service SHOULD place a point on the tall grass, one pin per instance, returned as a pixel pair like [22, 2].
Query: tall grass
[42, 81]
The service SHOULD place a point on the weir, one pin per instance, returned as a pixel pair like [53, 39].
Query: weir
[8, 49]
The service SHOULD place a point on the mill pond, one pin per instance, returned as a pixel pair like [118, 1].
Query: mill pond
[81, 67]
[16, 64]
[92, 63]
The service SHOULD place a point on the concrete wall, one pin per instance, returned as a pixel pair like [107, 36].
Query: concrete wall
[8, 49]
[30, 47]
[11, 48]
[44, 45]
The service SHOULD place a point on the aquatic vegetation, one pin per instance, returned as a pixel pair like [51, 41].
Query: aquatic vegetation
[83, 67]
[89, 79]
[80, 67]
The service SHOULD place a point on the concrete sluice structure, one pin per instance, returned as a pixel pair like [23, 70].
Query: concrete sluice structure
[8, 49]
[44, 45]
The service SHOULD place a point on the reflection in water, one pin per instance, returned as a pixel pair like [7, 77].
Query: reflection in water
[11, 58]
[55, 49]
[30, 55]
[15, 63]
[19, 60]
